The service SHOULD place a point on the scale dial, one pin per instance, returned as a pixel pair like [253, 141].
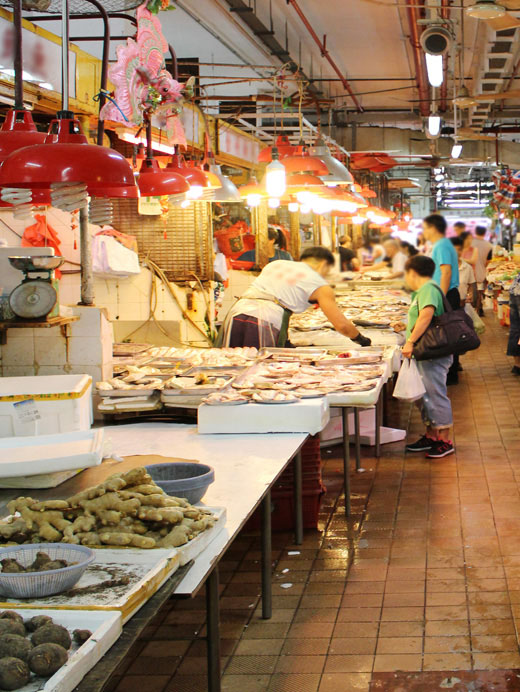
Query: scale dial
[33, 299]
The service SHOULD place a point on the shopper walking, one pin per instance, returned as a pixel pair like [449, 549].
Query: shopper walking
[513, 345]
[446, 273]
[435, 406]
[261, 317]
[459, 227]
[485, 253]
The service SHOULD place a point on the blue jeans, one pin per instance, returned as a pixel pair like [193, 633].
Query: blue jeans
[513, 349]
[435, 405]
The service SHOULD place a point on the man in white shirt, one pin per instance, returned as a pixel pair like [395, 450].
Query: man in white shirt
[467, 281]
[485, 253]
[394, 260]
[261, 317]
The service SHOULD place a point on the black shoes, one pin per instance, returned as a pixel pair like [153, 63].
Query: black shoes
[439, 449]
[515, 370]
[424, 444]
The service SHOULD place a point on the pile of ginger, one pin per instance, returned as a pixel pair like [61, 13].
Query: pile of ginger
[128, 509]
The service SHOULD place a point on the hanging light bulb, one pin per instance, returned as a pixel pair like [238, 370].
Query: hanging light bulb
[456, 151]
[69, 196]
[273, 203]
[338, 173]
[275, 181]
[486, 9]
[20, 200]
[358, 220]
[464, 98]
[100, 211]
[434, 125]
[435, 69]
[253, 200]
[305, 208]
[293, 207]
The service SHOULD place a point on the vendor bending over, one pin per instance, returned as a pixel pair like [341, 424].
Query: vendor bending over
[261, 317]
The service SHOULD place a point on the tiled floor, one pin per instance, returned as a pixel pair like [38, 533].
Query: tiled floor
[422, 582]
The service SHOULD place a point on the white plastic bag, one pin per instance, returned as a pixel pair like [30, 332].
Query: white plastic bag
[409, 385]
[478, 324]
[112, 260]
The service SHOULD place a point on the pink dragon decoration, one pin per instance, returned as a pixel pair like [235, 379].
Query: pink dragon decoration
[143, 86]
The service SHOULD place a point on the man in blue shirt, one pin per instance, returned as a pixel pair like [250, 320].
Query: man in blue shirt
[446, 270]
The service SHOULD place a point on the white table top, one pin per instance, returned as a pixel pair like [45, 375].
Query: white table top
[245, 467]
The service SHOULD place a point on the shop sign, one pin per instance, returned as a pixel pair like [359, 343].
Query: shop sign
[238, 145]
[41, 59]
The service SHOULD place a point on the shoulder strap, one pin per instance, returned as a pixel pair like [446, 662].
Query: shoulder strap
[447, 306]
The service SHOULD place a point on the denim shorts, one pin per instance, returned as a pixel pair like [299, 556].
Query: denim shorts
[435, 405]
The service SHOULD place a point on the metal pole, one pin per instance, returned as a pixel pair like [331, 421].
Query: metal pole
[357, 438]
[87, 279]
[298, 508]
[346, 459]
[213, 627]
[104, 65]
[65, 54]
[267, 595]
[18, 58]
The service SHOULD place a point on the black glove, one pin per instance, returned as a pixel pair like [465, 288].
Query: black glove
[362, 340]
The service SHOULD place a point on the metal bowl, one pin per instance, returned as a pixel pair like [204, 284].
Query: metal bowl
[34, 263]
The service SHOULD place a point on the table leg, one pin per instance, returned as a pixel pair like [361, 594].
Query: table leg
[298, 498]
[213, 627]
[346, 459]
[357, 439]
[379, 407]
[267, 595]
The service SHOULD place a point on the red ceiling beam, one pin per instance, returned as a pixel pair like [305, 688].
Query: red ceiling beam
[322, 45]
[421, 76]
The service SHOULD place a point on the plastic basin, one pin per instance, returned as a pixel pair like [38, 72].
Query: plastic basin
[183, 479]
[41, 584]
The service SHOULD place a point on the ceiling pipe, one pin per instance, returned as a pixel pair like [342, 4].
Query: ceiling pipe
[445, 14]
[421, 76]
[322, 45]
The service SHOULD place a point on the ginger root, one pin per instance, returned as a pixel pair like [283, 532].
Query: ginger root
[127, 539]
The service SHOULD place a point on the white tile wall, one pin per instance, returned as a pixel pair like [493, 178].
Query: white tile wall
[50, 348]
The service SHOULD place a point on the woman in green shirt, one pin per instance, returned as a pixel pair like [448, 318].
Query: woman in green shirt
[435, 406]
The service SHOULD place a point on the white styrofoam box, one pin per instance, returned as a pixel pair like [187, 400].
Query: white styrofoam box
[63, 403]
[95, 371]
[106, 628]
[50, 347]
[11, 277]
[29, 456]
[306, 416]
[19, 349]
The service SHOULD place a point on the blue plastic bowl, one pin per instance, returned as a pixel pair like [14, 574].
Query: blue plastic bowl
[183, 479]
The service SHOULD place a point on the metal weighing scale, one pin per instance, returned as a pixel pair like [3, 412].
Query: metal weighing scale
[35, 297]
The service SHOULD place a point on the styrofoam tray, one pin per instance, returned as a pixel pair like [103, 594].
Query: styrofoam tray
[41, 480]
[197, 545]
[106, 629]
[146, 570]
[30, 456]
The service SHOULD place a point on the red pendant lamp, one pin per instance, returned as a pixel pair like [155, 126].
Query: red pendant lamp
[67, 157]
[18, 129]
[195, 176]
[154, 181]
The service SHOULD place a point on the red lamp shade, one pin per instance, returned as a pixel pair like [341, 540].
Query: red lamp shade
[285, 148]
[304, 164]
[67, 157]
[155, 181]
[193, 174]
[18, 130]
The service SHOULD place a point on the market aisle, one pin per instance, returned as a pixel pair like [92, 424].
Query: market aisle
[424, 579]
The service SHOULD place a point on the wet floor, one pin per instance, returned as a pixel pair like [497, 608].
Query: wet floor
[419, 590]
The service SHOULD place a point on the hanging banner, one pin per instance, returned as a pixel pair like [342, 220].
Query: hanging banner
[236, 144]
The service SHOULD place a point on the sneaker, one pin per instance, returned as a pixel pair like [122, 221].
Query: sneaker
[424, 444]
[439, 449]
[453, 378]
[515, 370]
